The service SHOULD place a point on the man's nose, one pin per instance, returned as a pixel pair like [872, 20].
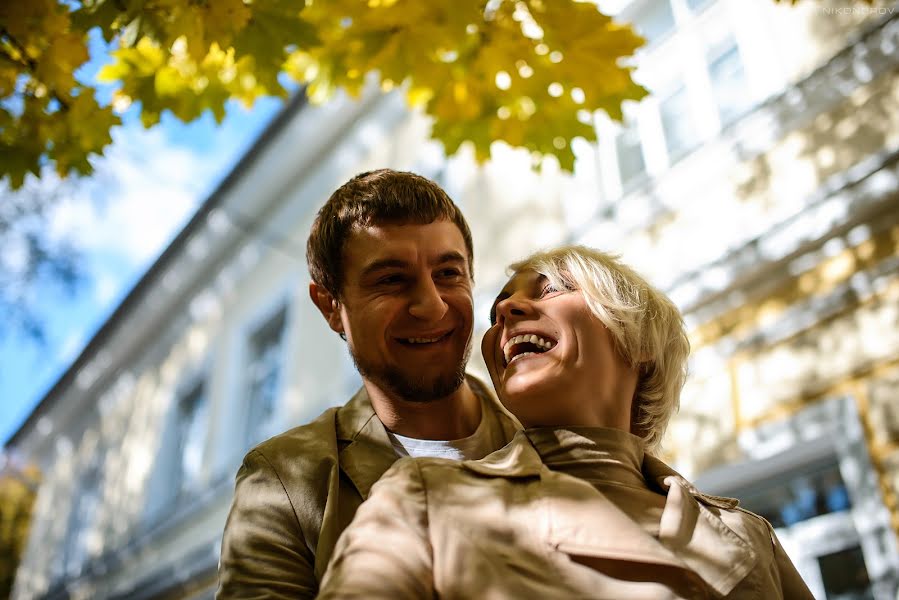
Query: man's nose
[427, 303]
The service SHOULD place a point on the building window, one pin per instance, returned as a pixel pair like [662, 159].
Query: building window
[845, 575]
[191, 427]
[82, 540]
[630, 154]
[728, 83]
[264, 377]
[811, 476]
[179, 468]
[677, 124]
[799, 495]
[655, 21]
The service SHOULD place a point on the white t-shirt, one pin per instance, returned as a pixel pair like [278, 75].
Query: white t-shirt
[474, 447]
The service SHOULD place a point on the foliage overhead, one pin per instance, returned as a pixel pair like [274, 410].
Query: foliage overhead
[33, 261]
[18, 488]
[528, 72]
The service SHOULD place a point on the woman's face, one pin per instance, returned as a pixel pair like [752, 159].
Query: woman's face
[552, 362]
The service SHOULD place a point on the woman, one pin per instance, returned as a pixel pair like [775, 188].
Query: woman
[591, 359]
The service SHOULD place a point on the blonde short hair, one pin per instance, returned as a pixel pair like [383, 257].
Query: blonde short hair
[646, 326]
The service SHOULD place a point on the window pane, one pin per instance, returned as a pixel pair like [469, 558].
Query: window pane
[81, 541]
[677, 124]
[799, 495]
[655, 21]
[729, 84]
[630, 154]
[193, 416]
[845, 576]
[264, 374]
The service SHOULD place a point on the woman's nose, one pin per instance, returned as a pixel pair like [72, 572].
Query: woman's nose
[511, 308]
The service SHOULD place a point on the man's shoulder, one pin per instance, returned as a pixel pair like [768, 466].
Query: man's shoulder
[309, 442]
[318, 439]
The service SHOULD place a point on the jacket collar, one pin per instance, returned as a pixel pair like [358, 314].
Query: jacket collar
[366, 451]
[516, 459]
[581, 521]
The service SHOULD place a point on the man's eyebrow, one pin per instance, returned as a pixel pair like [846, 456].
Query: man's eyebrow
[502, 296]
[451, 256]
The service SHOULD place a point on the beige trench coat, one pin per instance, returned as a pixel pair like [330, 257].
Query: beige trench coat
[296, 492]
[508, 527]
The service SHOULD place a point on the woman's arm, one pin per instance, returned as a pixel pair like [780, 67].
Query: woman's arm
[386, 550]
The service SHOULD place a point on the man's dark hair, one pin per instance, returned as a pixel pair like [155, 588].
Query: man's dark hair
[382, 197]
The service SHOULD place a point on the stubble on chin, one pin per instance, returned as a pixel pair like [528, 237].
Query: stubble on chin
[413, 387]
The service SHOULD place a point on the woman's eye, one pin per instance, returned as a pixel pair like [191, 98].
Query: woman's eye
[549, 289]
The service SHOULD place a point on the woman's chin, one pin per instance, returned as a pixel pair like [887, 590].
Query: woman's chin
[525, 395]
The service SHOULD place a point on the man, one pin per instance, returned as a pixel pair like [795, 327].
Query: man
[390, 257]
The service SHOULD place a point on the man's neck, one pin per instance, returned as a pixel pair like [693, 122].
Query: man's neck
[453, 417]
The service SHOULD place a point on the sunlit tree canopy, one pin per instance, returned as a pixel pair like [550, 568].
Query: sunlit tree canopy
[527, 72]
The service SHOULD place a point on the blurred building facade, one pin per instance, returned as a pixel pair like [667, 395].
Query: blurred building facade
[758, 186]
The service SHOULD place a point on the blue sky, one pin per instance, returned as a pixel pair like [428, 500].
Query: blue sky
[145, 188]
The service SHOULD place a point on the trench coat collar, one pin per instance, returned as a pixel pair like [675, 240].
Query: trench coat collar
[580, 520]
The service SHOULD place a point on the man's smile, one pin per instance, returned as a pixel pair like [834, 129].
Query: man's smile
[425, 340]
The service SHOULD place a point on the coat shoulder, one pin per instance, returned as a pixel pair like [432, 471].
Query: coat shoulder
[308, 444]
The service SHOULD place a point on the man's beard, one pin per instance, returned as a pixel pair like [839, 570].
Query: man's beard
[412, 389]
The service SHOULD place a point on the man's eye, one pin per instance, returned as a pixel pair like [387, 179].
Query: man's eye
[449, 273]
[391, 280]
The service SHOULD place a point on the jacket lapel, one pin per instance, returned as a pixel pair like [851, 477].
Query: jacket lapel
[572, 515]
[575, 518]
[367, 452]
[696, 534]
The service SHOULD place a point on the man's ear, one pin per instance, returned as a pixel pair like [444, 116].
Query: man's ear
[327, 305]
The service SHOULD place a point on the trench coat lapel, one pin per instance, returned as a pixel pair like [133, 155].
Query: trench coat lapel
[367, 452]
[572, 515]
[575, 518]
[691, 528]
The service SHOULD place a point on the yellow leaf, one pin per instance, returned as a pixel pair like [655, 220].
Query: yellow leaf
[57, 64]
[419, 96]
[168, 82]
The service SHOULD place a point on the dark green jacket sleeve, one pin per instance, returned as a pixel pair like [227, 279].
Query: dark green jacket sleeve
[264, 554]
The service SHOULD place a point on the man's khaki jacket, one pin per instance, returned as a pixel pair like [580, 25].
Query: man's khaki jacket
[508, 527]
[296, 492]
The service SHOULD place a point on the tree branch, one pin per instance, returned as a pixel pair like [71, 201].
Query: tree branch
[24, 61]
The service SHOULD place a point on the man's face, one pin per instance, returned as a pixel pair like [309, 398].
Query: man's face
[406, 308]
[552, 361]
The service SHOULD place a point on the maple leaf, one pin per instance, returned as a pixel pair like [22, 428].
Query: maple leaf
[526, 72]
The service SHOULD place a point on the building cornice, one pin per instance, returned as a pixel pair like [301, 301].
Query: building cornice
[239, 209]
[171, 253]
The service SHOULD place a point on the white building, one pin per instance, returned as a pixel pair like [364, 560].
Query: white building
[758, 185]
